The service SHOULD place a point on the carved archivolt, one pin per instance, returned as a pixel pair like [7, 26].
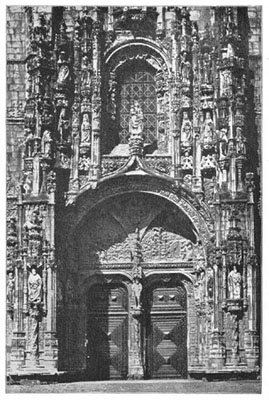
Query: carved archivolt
[194, 210]
[138, 51]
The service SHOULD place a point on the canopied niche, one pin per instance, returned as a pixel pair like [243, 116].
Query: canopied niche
[135, 74]
[116, 228]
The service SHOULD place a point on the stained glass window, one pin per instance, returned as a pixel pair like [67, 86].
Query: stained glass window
[140, 86]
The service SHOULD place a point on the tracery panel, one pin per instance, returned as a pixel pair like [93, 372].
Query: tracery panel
[138, 85]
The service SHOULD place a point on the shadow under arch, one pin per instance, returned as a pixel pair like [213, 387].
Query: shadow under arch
[181, 197]
[106, 326]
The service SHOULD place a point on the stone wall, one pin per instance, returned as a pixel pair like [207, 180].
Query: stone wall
[15, 72]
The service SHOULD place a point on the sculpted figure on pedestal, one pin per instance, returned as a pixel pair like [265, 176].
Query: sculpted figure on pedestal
[186, 130]
[85, 72]
[136, 290]
[46, 143]
[136, 120]
[63, 74]
[34, 286]
[10, 288]
[85, 129]
[240, 141]
[223, 143]
[234, 284]
[207, 133]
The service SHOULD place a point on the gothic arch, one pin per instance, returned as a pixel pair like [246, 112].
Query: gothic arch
[184, 199]
[136, 61]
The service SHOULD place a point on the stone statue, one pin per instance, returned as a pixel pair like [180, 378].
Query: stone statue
[207, 134]
[137, 289]
[223, 143]
[63, 74]
[240, 141]
[85, 129]
[186, 130]
[85, 72]
[185, 68]
[46, 143]
[136, 124]
[34, 286]
[63, 124]
[234, 284]
[10, 288]
[29, 143]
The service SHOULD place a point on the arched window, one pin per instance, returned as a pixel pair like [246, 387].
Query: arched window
[138, 85]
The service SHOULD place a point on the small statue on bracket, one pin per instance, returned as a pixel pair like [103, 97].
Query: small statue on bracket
[136, 291]
[223, 143]
[85, 129]
[186, 130]
[10, 288]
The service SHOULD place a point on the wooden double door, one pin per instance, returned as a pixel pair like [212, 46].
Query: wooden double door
[163, 332]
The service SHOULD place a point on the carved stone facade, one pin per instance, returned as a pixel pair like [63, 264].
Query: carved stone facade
[133, 223]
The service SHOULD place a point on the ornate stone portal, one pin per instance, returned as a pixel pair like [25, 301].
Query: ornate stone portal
[132, 234]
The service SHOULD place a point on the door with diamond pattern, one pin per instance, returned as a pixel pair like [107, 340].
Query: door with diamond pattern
[166, 331]
[107, 333]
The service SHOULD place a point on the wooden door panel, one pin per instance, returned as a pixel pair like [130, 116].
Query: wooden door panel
[107, 351]
[167, 334]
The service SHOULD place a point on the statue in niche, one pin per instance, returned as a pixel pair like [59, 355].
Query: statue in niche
[136, 124]
[223, 143]
[234, 284]
[29, 142]
[185, 68]
[136, 290]
[64, 73]
[10, 288]
[240, 141]
[85, 129]
[207, 132]
[46, 143]
[85, 72]
[34, 286]
[63, 124]
[186, 130]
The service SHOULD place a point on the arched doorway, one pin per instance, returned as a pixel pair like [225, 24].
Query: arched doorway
[165, 306]
[105, 242]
